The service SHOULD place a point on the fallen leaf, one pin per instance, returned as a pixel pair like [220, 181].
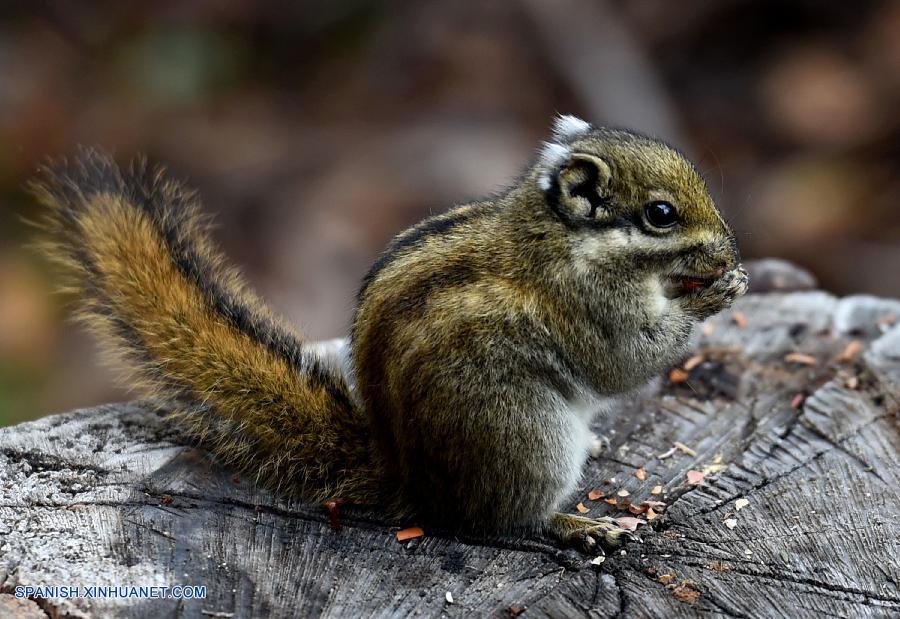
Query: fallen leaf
[593, 495]
[656, 490]
[739, 319]
[581, 508]
[629, 523]
[850, 351]
[410, 533]
[692, 362]
[641, 474]
[695, 477]
[731, 522]
[801, 358]
[740, 504]
[686, 593]
[678, 376]
[666, 578]
[623, 492]
[684, 449]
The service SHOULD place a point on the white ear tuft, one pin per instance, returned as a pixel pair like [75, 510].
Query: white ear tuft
[552, 156]
[567, 127]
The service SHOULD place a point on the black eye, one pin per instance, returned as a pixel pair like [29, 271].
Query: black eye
[661, 214]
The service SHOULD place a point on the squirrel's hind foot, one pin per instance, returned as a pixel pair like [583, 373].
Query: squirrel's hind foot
[587, 534]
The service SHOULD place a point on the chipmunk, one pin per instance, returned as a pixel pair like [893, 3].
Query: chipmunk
[483, 343]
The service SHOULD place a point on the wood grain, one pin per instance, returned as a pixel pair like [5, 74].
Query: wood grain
[114, 496]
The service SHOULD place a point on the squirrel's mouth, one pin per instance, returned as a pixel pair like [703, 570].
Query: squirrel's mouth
[681, 284]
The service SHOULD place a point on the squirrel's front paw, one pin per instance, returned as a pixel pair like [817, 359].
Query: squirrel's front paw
[720, 294]
[586, 534]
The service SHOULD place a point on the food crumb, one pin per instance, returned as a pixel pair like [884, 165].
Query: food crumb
[850, 351]
[686, 593]
[678, 376]
[684, 449]
[409, 533]
[692, 362]
[666, 578]
[801, 358]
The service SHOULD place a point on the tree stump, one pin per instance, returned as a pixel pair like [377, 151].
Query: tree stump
[773, 451]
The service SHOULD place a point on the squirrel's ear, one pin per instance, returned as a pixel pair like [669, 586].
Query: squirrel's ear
[583, 185]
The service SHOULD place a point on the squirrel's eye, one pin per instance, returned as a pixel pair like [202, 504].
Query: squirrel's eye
[661, 214]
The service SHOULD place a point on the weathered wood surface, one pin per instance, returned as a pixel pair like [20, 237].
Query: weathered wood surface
[114, 496]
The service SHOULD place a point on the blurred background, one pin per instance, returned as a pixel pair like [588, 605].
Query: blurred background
[316, 130]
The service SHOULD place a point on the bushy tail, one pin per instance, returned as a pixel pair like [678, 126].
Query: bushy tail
[158, 295]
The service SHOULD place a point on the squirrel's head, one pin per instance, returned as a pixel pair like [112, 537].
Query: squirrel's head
[634, 204]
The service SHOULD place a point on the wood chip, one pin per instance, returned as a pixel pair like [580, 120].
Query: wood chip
[731, 522]
[595, 494]
[666, 578]
[410, 533]
[692, 362]
[801, 358]
[739, 319]
[740, 504]
[695, 477]
[850, 351]
[656, 490]
[678, 376]
[686, 593]
[630, 523]
[684, 449]
[641, 474]
[623, 492]
[581, 508]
